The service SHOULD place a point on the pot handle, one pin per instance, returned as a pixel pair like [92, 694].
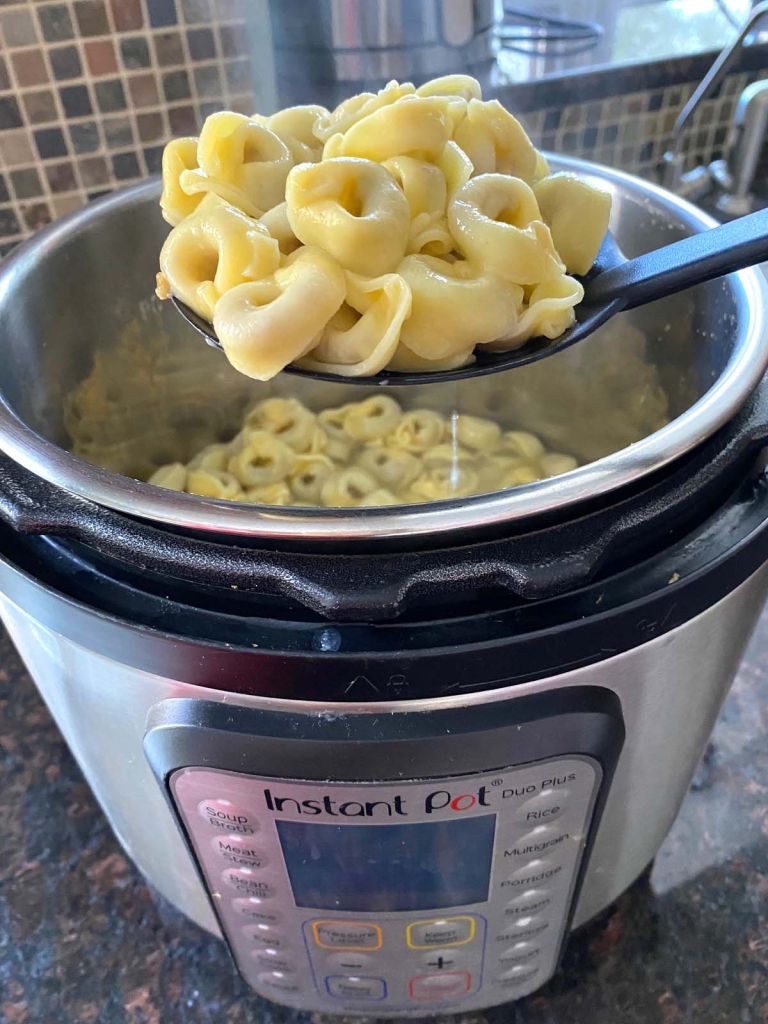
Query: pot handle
[365, 585]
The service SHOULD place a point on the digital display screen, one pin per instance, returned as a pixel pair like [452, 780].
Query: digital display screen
[424, 866]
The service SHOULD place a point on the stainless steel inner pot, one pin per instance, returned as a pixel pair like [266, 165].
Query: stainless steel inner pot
[89, 350]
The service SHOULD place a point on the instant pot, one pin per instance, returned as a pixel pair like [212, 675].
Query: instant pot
[393, 756]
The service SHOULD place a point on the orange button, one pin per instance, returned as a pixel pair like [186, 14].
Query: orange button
[347, 935]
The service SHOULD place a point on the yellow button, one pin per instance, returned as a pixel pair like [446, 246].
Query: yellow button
[443, 931]
[347, 935]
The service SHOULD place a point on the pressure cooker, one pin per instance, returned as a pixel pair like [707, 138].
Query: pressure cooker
[393, 756]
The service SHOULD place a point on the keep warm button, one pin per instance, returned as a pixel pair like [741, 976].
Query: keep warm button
[543, 808]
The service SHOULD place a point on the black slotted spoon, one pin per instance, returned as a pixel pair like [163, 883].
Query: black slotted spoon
[614, 284]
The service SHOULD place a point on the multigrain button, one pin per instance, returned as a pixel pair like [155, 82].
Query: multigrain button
[239, 851]
[533, 901]
[252, 908]
[274, 960]
[247, 880]
[540, 872]
[543, 839]
[543, 808]
[520, 953]
[228, 817]
[278, 981]
[524, 928]
[517, 975]
[435, 987]
[346, 935]
[351, 962]
[353, 987]
[444, 931]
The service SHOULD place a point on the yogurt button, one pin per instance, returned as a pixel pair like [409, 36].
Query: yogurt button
[520, 953]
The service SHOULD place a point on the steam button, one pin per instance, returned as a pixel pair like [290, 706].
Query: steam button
[543, 808]
[533, 901]
[226, 816]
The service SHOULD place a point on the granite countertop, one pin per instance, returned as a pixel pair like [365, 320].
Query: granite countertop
[84, 941]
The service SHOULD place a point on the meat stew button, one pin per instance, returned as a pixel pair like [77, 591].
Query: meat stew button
[543, 808]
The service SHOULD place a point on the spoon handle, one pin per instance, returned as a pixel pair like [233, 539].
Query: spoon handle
[701, 257]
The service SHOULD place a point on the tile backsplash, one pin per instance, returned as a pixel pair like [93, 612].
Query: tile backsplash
[91, 90]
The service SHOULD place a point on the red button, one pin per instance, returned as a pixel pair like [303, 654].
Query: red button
[433, 987]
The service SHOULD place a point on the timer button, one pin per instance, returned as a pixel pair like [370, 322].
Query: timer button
[543, 808]
[346, 935]
[253, 909]
[352, 987]
[239, 850]
[246, 880]
[278, 981]
[539, 872]
[531, 902]
[447, 931]
[434, 987]
[228, 817]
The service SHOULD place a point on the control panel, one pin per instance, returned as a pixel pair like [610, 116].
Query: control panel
[393, 898]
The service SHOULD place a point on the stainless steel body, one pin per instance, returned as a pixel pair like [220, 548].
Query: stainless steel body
[322, 47]
[74, 309]
[670, 691]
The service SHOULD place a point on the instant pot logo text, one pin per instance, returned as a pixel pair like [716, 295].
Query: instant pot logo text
[443, 802]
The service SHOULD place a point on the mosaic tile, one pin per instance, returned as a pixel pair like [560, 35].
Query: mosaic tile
[18, 27]
[196, 11]
[100, 56]
[10, 115]
[5, 82]
[183, 121]
[153, 156]
[143, 90]
[26, 183]
[168, 49]
[161, 12]
[29, 67]
[91, 17]
[134, 51]
[62, 205]
[84, 137]
[55, 23]
[50, 142]
[201, 43]
[150, 127]
[118, 132]
[125, 166]
[75, 100]
[40, 106]
[36, 216]
[9, 224]
[127, 15]
[65, 62]
[110, 96]
[208, 80]
[176, 86]
[16, 148]
[61, 177]
[4, 195]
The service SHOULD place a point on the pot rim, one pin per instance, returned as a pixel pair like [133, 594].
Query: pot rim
[437, 519]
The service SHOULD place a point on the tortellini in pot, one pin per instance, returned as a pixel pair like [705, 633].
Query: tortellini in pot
[360, 455]
[496, 142]
[577, 214]
[550, 311]
[178, 156]
[416, 125]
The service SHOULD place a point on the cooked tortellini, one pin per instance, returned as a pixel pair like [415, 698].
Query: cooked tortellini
[399, 231]
[362, 454]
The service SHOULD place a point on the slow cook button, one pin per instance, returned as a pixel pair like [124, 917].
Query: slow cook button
[274, 960]
[246, 880]
[540, 872]
[436, 987]
[252, 908]
[543, 808]
[278, 981]
[228, 817]
[543, 839]
[239, 851]
[520, 953]
[531, 902]
[352, 987]
[447, 931]
[517, 975]
[346, 935]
